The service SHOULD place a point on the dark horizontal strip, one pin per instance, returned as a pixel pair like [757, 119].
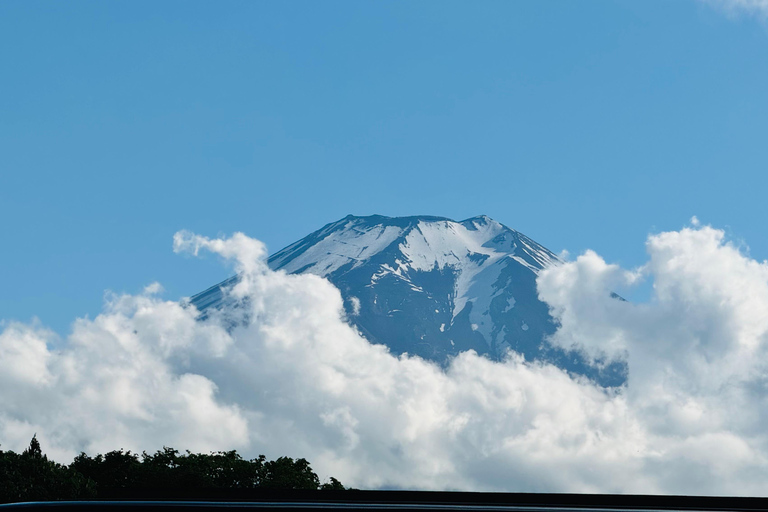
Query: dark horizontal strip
[228, 499]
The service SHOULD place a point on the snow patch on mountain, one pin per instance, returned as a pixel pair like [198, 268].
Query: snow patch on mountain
[432, 286]
[342, 247]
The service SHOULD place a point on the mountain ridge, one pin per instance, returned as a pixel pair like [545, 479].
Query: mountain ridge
[434, 287]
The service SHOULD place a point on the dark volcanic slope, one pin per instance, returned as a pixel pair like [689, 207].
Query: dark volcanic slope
[434, 287]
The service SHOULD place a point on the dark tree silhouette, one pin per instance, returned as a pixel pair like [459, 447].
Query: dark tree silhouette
[285, 473]
[30, 476]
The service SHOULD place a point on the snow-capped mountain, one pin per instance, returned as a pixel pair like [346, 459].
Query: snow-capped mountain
[434, 287]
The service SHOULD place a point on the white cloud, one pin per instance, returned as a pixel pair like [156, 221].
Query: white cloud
[292, 378]
[153, 289]
[355, 305]
[733, 7]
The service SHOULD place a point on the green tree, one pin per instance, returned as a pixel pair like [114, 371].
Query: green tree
[115, 469]
[286, 473]
[333, 485]
[30, 476]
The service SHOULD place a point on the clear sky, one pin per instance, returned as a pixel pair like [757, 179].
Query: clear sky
[581, 124]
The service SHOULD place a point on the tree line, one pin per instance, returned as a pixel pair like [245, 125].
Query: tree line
[31, 476]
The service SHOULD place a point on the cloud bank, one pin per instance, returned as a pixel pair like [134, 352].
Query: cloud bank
[291, 377]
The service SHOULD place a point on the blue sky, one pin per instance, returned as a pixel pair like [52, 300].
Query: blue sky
[581, 124]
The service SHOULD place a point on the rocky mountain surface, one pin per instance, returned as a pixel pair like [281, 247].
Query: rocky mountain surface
[434, 287]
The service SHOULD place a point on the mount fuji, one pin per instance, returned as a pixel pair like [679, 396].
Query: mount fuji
[434, 287]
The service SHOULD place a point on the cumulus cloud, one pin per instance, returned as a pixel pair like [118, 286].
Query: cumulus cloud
[284, 374]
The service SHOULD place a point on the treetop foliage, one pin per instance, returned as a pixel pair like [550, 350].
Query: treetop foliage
[30, 476]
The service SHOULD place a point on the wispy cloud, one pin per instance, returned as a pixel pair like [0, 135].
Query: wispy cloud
[734, 7]
[293, 378]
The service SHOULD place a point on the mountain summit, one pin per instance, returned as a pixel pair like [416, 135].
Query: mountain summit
[434, 287]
